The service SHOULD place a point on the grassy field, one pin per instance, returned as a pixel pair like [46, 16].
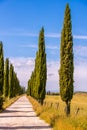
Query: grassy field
[53, 112]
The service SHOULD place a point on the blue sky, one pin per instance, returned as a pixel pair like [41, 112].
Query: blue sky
[20, 23]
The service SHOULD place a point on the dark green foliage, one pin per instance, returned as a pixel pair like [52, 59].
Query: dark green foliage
[41, 70]
[1, 74]
[66, 60]
[6, 78]
[11, 74]
[37, 82]
[1, 68]
[1, 101]
[14, 84]
[9, 83]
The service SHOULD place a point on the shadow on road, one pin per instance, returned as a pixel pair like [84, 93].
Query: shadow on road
[26, 127]
[11, 111]
[19, 107]
[16, 116]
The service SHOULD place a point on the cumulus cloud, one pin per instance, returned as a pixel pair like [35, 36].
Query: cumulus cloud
[80, 51]
[52, 70]
[24, 67]
[80, 76]
[52, 75]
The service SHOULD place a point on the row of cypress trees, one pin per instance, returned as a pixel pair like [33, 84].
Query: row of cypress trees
[9, 83]
[37, 82]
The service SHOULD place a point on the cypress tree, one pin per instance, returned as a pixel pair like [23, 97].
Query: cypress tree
[37, 82]
[1, 68]
[66, 61]
[1, 74]
[41, 69]
[11, 81]
[32, 85]
[14, 84]
[6, 78]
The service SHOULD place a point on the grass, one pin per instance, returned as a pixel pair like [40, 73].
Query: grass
[55, 115]
[8, 102]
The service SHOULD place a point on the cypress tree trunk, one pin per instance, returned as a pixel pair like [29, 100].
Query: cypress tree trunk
[67, 108]
[66, 61]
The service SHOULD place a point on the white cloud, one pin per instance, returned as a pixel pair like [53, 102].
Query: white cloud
[80, 76]
[52, 76]
[56, 35]
[52, 47]
[29, 46]
[80, 51]
[53, 35]
[36, 46]
[24, 67]
[18, 34]
[52, 70]
[24, 33]
[83, 37]
[21, 32]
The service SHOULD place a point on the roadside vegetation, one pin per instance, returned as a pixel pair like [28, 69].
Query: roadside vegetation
[53, 113]
[7, 102]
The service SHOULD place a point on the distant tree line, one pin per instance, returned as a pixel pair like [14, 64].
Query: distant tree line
[9, 83]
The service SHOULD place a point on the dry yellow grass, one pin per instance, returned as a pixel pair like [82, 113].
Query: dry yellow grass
[61, 125]
[8, 102]
[56, 116]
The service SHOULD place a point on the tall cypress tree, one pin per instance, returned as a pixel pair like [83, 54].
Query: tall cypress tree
[14, 84]
[1, 74]
[66, 61]
[1, 68]
[6, 78]
[41, 69]
[11, 81]
[37, 82]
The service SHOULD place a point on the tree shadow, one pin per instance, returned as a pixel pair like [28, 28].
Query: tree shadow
[22, 104]
[19, 107]
[17, 116]
[11, 111]
[26, 127]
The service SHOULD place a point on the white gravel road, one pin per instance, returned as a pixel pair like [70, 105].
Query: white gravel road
[21, 116]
